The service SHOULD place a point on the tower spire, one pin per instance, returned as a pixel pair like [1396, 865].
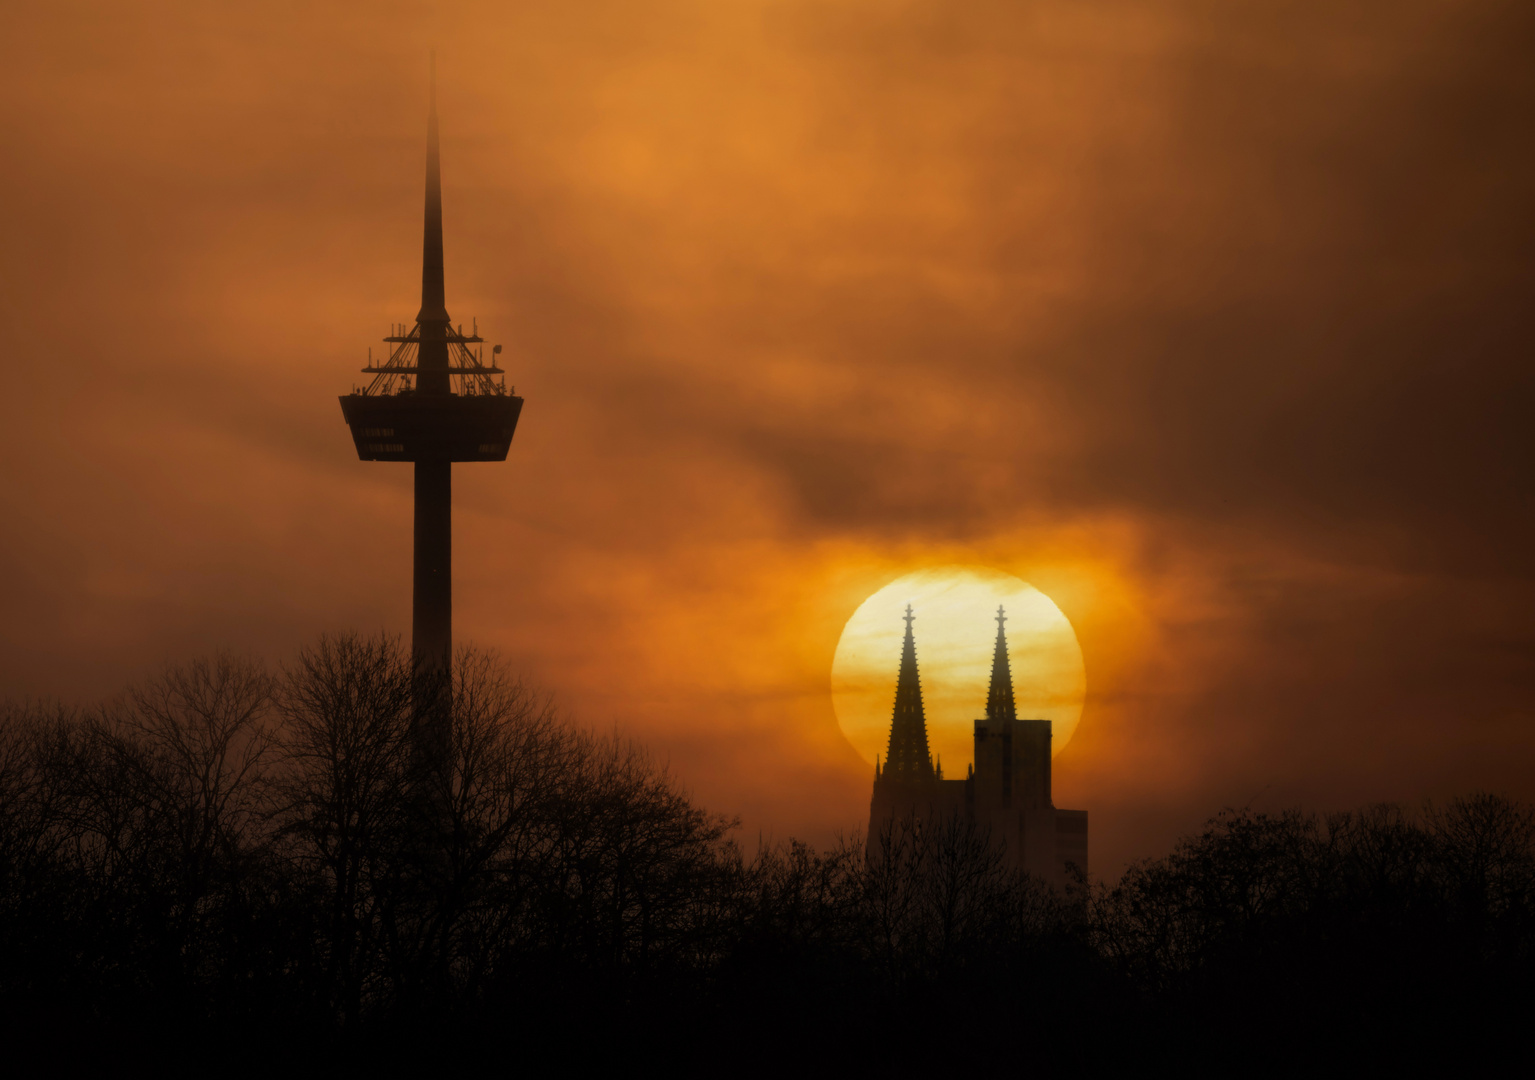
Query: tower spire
[433, 297]
[999, 702]
[908, 758]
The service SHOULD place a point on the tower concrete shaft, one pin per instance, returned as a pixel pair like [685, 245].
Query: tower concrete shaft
[432, 580]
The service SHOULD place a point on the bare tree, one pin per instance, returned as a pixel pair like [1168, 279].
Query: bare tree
[346, 708]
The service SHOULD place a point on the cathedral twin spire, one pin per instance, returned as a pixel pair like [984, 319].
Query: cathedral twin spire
[999, 700]
[908, 758]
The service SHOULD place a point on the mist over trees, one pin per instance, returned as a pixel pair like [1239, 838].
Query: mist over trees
[226, 852]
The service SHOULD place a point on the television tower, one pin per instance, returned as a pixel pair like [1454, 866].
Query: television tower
[433, 401]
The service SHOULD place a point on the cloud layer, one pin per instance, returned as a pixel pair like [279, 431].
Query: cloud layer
[1212, 321]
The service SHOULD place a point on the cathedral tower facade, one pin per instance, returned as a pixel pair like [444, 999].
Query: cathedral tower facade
[1008, 790]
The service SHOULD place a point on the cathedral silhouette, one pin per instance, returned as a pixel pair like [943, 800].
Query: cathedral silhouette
[1007, 790]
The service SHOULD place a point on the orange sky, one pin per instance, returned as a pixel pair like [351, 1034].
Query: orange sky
[1211, 320]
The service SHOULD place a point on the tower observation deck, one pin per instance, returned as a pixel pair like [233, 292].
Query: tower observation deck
[433, 401]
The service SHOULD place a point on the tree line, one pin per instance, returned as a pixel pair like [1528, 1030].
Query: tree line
[227, 851]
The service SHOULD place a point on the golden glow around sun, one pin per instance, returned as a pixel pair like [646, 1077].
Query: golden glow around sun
[956, 629]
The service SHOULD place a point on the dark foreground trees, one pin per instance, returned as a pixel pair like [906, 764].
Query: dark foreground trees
[233, 857]
[1377, 935]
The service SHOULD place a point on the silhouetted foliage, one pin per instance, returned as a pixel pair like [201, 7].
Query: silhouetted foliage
[1371, 929]
[223, 852]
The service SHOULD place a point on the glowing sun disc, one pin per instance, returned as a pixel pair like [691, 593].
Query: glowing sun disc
[956, 630]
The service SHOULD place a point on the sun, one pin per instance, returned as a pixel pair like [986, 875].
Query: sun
[956, 629]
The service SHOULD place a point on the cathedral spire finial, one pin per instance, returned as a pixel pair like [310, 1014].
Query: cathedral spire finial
[908, 758]
[999, 701]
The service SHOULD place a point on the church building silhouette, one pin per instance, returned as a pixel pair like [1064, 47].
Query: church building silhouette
[1007, 790]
